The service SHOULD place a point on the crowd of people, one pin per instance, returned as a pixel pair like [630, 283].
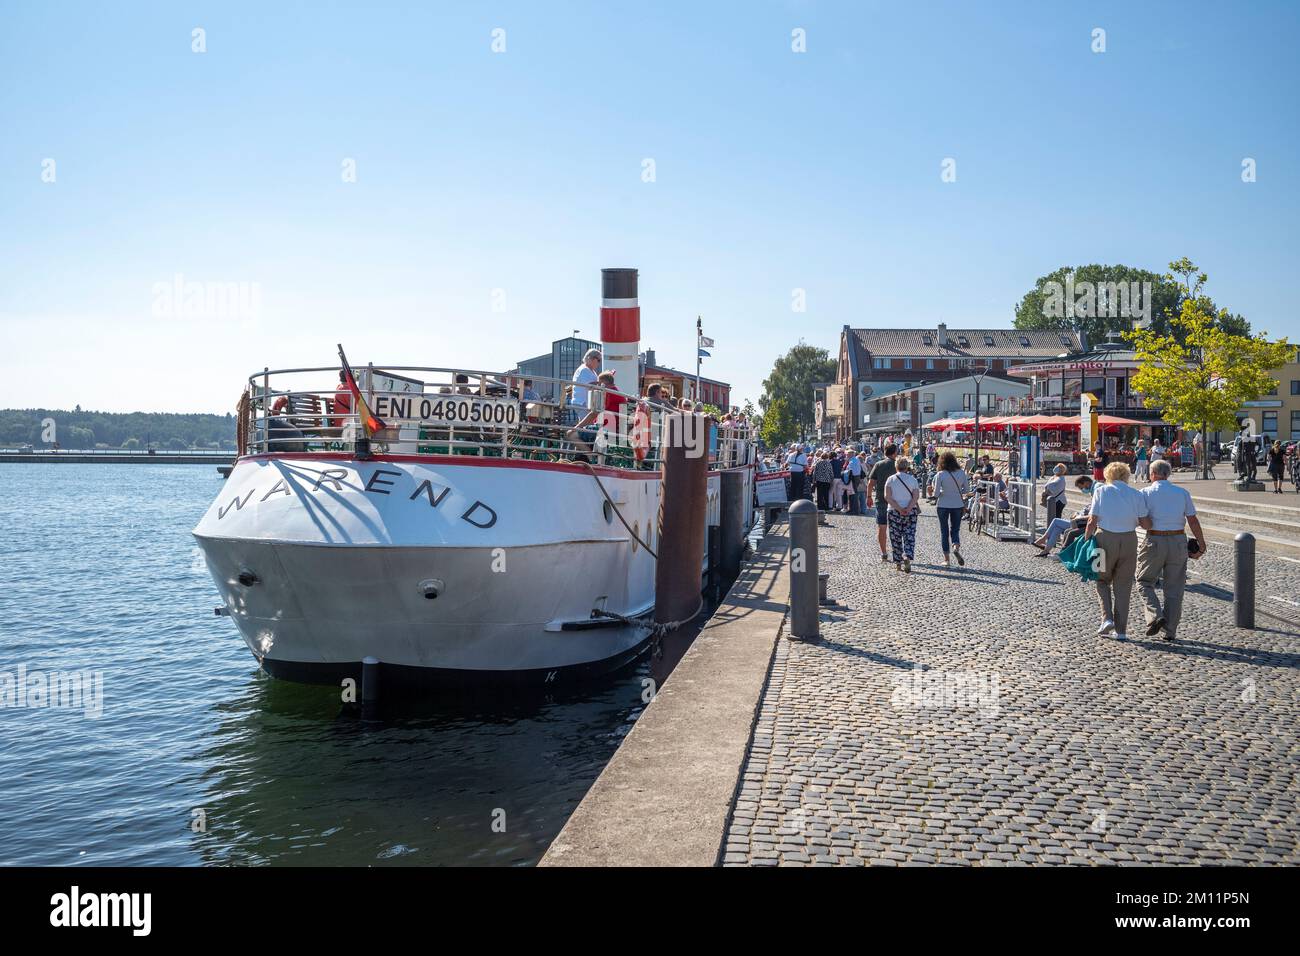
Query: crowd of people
[601, 415]
[892, 479]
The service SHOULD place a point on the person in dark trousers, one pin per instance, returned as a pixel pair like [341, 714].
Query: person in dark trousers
[1276, 465]
[823, 475]
[881, 473]
[1054, 493]
[796, 462]
[950, 488]
[1100, 459]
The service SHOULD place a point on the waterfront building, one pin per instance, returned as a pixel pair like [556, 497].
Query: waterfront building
[873, 363]
[895, 410]
[1277, 414]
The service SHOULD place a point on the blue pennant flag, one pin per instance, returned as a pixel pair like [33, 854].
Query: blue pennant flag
[704, 354]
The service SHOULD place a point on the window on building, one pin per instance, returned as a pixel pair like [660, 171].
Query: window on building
[907, 363]
[1065, 340]
[1272, 391]
[1024, 341]
[988, 340]
[929, 363]
[1295, 424]
[966, 401]
[963, 341]
[928, 340]
[1270, 425]
[927, 402]
[1295, 386]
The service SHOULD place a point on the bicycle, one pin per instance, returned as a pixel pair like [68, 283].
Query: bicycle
[974, 515]
[1295, 472]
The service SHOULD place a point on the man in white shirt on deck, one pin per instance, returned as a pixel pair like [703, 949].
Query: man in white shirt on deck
[583, 376]
[1164, 553]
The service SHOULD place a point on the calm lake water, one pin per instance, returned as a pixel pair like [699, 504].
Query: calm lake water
[98, 571]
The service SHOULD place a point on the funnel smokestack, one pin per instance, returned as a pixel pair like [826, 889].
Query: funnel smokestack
[620, 328]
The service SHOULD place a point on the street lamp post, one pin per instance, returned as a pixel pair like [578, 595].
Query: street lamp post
[979, 377]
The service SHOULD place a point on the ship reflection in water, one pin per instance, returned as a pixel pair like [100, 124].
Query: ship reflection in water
[482, 777]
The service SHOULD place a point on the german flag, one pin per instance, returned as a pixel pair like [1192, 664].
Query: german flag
[368, 419]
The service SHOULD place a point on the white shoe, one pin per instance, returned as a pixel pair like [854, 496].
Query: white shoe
[1106, 627]
[1120, 637]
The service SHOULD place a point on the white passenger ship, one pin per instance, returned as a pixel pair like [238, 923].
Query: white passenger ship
[473, 535]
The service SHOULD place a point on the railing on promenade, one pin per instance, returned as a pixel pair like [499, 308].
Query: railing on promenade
[1008, 511]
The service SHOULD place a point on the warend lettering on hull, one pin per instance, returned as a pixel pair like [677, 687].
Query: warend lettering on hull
[379, 482]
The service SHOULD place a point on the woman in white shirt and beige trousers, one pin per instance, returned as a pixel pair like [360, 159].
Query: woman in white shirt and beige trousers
[1117, 512]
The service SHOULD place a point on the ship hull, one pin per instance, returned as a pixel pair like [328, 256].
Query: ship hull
[469, 571]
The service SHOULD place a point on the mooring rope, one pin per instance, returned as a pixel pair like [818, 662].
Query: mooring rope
[614, 508]
[656, 630]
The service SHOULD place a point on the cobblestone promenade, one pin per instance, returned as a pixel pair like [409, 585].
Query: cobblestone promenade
[971, 716]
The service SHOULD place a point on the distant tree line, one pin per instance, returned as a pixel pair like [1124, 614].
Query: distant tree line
[84, 429]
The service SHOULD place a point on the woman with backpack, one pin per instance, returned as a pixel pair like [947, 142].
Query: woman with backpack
[950, 488]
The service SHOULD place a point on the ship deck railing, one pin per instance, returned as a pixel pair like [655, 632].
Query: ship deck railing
[429, 411]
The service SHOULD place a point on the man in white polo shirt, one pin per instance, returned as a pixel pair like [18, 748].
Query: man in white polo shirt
[796, 463]
[1164, 553]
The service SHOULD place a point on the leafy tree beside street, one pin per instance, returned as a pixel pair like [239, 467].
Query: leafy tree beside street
[1097, 300]
[778, 425]
[793, 377]
[1199, 374]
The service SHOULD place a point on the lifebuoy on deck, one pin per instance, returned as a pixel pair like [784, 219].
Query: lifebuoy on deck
[640, 434]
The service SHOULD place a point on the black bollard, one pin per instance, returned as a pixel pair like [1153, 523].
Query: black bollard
[732, 508]
[1243, 579]
[803, 570]
[369, 687]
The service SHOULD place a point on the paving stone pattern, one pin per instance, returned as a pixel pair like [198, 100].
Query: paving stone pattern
[970, 716]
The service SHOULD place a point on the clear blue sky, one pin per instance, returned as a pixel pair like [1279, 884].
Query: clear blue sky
[522, 171]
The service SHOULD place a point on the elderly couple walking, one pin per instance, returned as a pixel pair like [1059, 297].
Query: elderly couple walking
[1162, 509]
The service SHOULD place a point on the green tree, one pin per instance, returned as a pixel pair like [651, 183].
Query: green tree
[778, 425]
[1083, 299]
[1199, 374]
[793, 376]
[1088, 300]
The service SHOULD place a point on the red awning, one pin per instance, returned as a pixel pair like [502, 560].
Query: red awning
[1049, 421]
[1116, 421]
